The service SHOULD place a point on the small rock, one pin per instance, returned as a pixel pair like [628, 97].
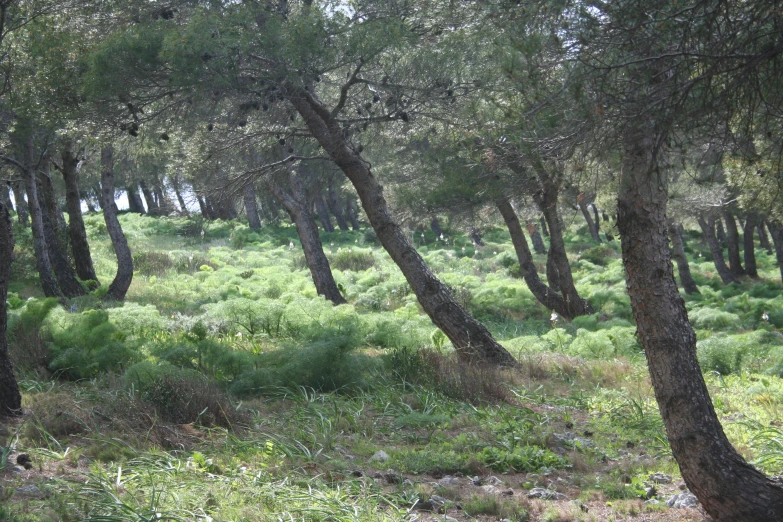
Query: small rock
[683, 500]
[448, 480]
[357, 474]
[24, 460]
[650, 492]
[29, 491]
[545, 494]
[17, 469]
[392, 477]
[489, 488]
[507, 492]
[652, 501]
[434, 504]
[380, 456]
[660, 478]
[492, 480]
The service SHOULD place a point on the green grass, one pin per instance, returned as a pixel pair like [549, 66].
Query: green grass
[225, 388]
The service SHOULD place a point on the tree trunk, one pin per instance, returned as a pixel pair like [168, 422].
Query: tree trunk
[749, 249]
[591, 225]
[721, 234]
[732, 243]
[9, 205]
[776, 231]
[251, 207]
[708, 230]
[79, 246]
[298, 208]
[134, 200]
[544, 229]
[544, 294]
[475, 236]
[728, 488]
[333, 202]
[22, 209]
[350, 211]
[762, 227]
[538, 242]
[202, 205]
[10, 398]
[152, 206]
[435, 227]
[165, 205]
[471, 339]
[678, 253]
[175, 184]
[43, 263]
[596, 218]
[56, 245]
[323, 213]
[546, 199]
[122, 280]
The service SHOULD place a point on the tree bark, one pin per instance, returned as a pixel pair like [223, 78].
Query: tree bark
[732, 243]
[776, 231]
[333, 202]
[82, 257]
[678, 253]
[350, 211]
[298, 207]
[591, 225]
[152, 205]
[749, 249]
[175, 184]
[546, 199]
[43, 263]
[435, 227]
[202, 205]
[134, 200]
[728, 488]
[10, 398]
[762, 227]
[471, 339]
[22, 209]
[56, 245]
[708, 230]
[475, 236]
[538, 242]
[251, 207]
[544, 229]
[165, 205]
[9, 205]
[721, 234]
[122, 280]
[544, 294]
[323, 213]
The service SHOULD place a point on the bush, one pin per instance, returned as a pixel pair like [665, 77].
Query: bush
[600, 255]
[710, 318]
[151, 263]
[26, 346]
[350, 259]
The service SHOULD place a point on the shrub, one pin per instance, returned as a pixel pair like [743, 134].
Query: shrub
[599, 255]
[151, 263]
[350, 259]
[26, 346]
[521, 459]
[710, 318]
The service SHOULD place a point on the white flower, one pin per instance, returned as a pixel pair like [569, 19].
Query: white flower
[441, 236]
[239, 334]
[554, 317]
[290, 245]
[765, 316]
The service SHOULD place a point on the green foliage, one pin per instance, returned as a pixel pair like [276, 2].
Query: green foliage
[528, 458]
[600, 255]
[352, 259]
[152, 263]
[708, 318]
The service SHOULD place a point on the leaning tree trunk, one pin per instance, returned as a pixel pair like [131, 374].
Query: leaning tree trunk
[82, 257]
[475, 236]
[323, 213]
[10, 398]
[678, 253]
[22, 209]
[470, 338]
[547, 203]
[175, 184]
[732, 243]
[298, 207]
[435, 227]
[9, 205]
[43, 263]
[592, 226]
[708, 230]
[728, 488]
[538, 242]
[333, 202]
[251, 207]
[544, 229]
[776, 231]
[762, 226]
[545, 295]
[122, 280]
[152, 205]
[135, 203]
[749, 249]
[350, 211]
[55, 239]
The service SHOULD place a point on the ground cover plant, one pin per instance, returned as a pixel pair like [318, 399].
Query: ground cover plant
[224, 388]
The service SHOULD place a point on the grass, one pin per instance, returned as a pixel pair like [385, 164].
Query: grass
[232, 392]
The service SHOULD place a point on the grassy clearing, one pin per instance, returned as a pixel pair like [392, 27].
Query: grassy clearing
[225, 389]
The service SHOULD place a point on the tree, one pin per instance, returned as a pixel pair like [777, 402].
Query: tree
[122, 280]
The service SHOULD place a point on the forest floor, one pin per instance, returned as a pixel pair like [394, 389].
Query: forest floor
[240, 395]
